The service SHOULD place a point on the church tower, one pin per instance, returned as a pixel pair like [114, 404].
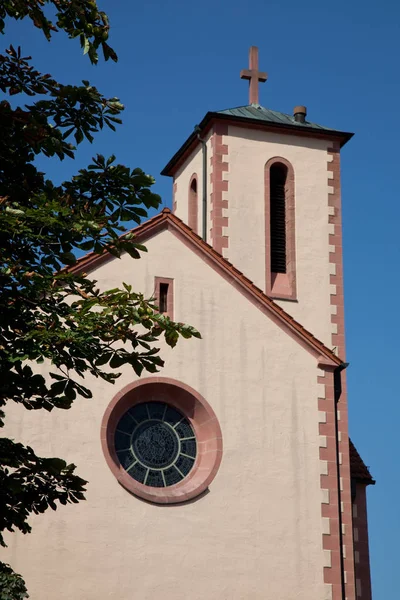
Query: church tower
[263, 188]
[230, 474]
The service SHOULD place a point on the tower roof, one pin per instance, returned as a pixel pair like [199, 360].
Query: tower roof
[261, 113]
[256, 117]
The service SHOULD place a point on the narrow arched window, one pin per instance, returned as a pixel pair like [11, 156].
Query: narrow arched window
[280, 250]
[193, 204]
[277, 182]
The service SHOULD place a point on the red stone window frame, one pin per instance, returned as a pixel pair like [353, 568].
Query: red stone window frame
[361, 544]
[203, 420]
[174, 194]
[159, 286]
[281, 285]
[193, 203]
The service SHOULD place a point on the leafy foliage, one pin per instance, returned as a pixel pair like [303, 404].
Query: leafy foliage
[78, 18]
[50, 311]
[12, 586]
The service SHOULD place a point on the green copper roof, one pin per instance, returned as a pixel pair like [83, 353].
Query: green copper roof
[256, 115]
[260, 113]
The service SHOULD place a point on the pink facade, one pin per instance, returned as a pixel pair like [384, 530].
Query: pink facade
[267, 509]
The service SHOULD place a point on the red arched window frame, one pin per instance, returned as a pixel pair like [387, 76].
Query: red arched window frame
[193, 203]
[281, 285]
[192, 406]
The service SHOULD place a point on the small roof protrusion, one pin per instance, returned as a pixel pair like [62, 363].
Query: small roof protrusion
[300, 113]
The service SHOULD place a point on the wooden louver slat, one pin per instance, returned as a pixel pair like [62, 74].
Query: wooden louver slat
[278, 219]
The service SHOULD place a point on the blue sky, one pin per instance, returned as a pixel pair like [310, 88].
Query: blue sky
[179, 59]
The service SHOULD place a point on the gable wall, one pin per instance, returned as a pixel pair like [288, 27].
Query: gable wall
[258, 532]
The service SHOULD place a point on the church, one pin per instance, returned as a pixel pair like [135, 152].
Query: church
[228, 475]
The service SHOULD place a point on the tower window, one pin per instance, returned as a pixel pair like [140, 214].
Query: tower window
[278, 175]
[280, 242]
[164, 295]
[193, 204]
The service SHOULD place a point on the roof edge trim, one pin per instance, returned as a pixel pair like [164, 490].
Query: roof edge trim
[341, 136]
[166, 219]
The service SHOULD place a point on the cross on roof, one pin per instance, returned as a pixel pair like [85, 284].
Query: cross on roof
[253, 75]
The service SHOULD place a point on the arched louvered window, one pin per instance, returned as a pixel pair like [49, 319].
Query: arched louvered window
[277, 182]
[280, 260]
[193, 203]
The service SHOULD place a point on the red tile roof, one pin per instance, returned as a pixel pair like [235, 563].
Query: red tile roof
[358, 470]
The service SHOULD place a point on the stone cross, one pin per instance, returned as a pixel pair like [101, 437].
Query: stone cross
[253, 75]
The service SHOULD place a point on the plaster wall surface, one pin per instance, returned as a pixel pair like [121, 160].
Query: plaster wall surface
[193, 164]
[249, 150]
[257, 533]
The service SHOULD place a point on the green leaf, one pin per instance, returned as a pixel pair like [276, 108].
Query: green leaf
[58, 387]
[56, 376]
[70, 392]
[54, 464]
[103, 359]
[140, 247]
[78, 136]
[117, 361]
[83, 391]
[109, 53]
[171, 337]
[86, 245]
[68, 132]
[86, 46]
[68, 258]
[131, 250]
